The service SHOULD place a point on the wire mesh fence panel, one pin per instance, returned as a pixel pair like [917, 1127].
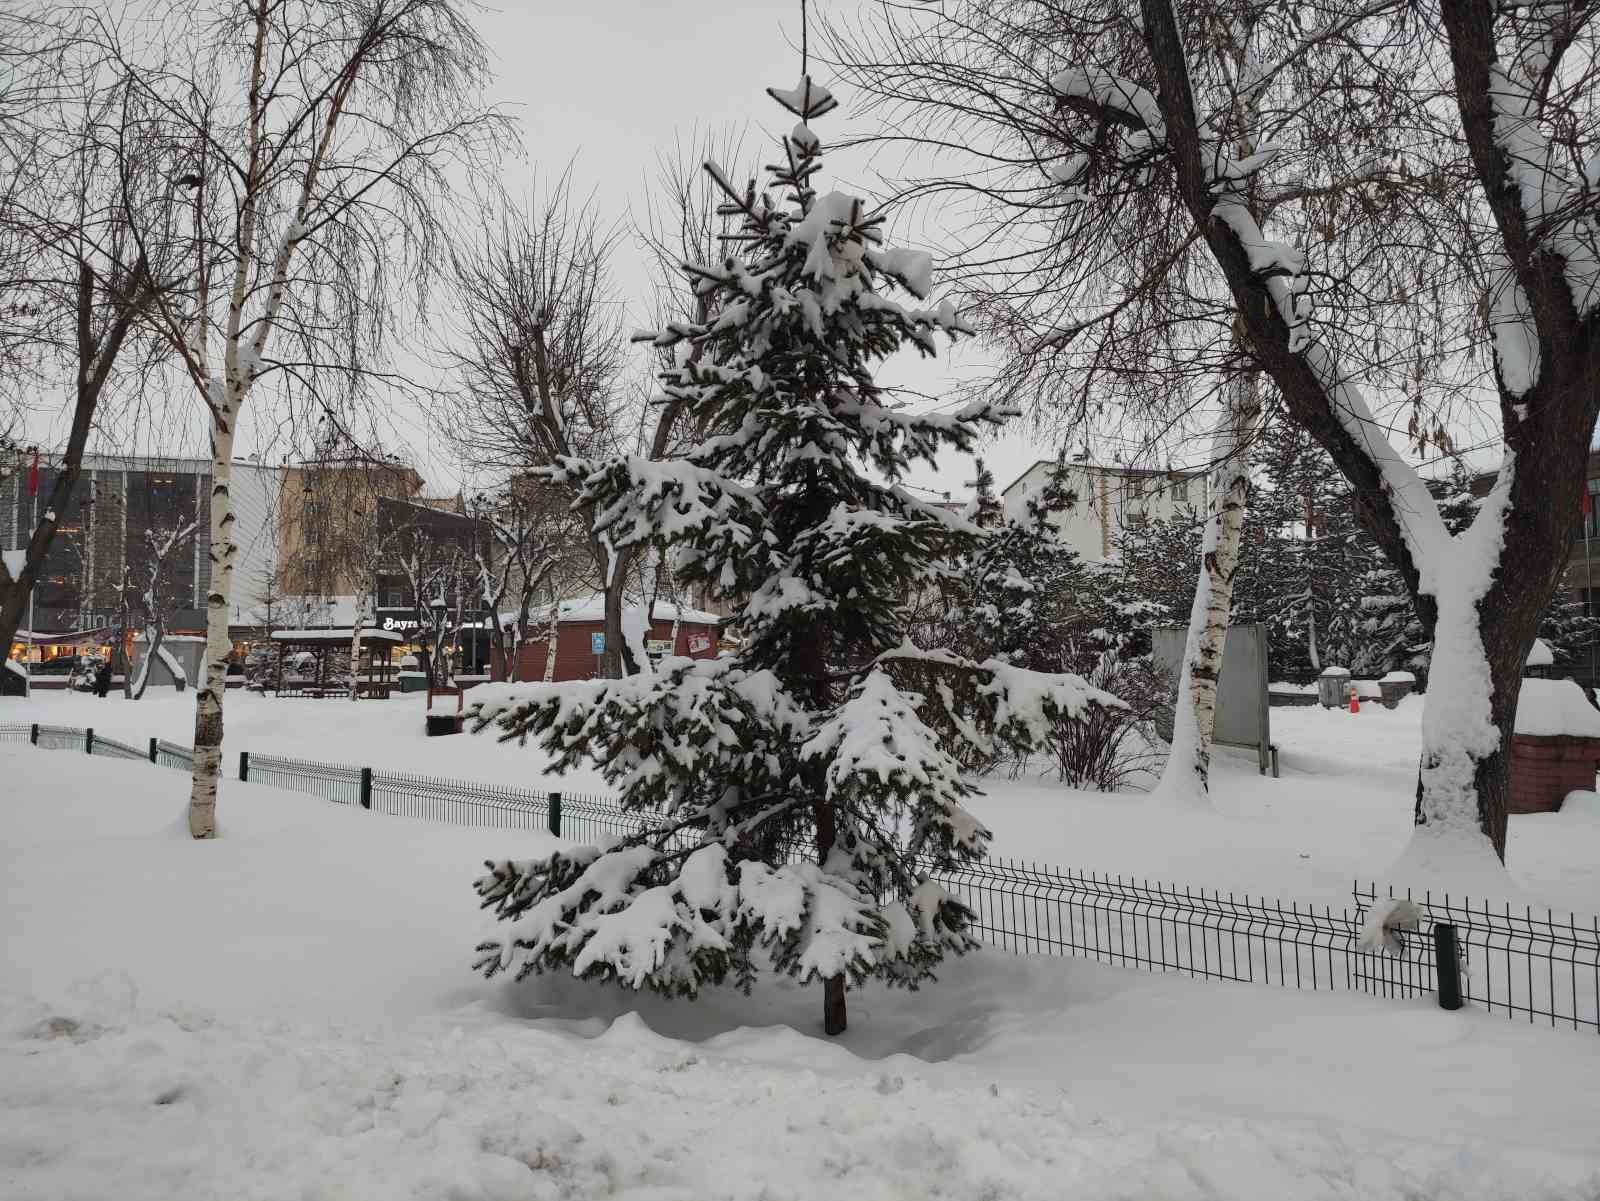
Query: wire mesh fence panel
[170, 754]
[112, 749]
[1532, 965]
[336, 782]
[16, 732]
[61, 738]
[403, 794]
[1154, 926]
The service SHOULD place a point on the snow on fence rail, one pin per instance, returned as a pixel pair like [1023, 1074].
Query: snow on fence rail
[1527, 965]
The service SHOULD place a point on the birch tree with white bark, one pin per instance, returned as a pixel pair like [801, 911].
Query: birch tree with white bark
[1423, 251]
[317, 136]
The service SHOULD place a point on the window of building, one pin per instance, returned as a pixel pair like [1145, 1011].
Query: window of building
[1180, 490]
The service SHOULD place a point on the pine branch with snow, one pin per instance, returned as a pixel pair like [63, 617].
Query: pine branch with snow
[794, 800]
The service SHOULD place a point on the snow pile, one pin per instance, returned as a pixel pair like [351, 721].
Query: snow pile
[1384, 918]
[312, 1031]
[1551, 707]
[1540, 654]
[1581, 804]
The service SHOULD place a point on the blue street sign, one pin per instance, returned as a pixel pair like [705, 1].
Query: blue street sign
[597, 644]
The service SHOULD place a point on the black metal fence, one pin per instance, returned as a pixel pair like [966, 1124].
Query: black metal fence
[1530, 965]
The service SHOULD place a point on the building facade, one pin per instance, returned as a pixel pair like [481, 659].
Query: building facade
[1109, 498]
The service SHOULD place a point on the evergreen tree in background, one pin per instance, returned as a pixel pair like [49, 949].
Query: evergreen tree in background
[794, 803]
[1019, 595]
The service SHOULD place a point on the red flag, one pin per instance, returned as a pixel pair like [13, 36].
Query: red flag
[33, 475]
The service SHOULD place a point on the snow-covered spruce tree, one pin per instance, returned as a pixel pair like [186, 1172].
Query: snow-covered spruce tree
[794, 805]
[1017, 595]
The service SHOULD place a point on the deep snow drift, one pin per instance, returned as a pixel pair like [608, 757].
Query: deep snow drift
[288, 1013]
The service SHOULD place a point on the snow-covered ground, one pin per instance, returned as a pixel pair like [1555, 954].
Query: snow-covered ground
[1340, 812]
[288, 1013]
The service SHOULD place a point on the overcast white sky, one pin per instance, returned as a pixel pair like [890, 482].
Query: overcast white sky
[607, 85]
[610, 84]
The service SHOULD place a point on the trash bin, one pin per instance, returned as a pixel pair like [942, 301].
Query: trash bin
[1395, 686]
[1333, 687]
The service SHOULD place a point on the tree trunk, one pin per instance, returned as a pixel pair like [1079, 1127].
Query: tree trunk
[209, 693]
[833, 1006]
[357, 627]
[1188, 768]
[153, 633]
[551, 635]
[1469, 709]
[833, 1011]
[1311, 630]
[618, 660]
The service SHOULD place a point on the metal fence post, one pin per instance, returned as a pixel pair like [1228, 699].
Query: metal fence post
[88, 741]
[244, 767]
[35, 738]
[1447, 965]
[153, 751]
[366, 788]
[555, 814]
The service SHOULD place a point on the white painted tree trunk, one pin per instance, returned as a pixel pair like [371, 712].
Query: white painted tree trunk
[1188, 767]
[213, 685]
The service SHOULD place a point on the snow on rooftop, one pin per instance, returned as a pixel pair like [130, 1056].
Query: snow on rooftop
[593, 608]
[369, 634]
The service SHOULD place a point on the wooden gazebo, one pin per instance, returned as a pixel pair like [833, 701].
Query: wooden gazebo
[373, 669]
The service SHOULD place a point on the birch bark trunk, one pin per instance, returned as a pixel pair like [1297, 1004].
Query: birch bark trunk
[1187, 772]
[357, 627]
[552, 633]
[209, 693]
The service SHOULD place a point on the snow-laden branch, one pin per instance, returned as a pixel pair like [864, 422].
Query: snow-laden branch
[1120, 100]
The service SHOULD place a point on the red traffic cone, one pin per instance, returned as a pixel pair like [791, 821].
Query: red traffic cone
[1355, 700]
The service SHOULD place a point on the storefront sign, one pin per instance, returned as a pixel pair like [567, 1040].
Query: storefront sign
[658, 646]
[698, 643]
[597, 644]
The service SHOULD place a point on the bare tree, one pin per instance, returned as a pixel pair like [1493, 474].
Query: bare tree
[75, 282]
[317, 136]
[529, 537]
[543, 354]
[1410, 244]
[160, 546]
